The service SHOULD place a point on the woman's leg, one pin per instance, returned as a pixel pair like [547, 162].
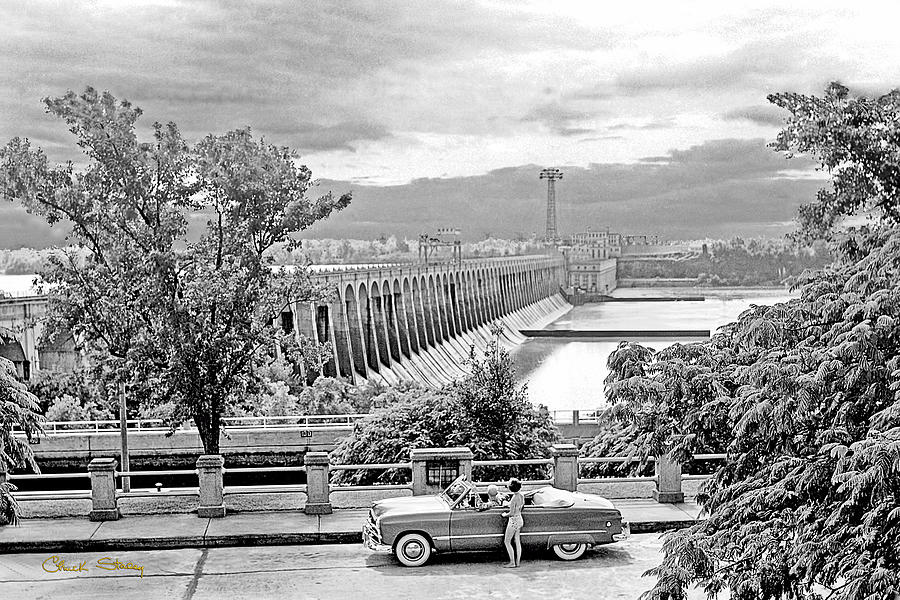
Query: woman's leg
[518, 540]
[507, 539]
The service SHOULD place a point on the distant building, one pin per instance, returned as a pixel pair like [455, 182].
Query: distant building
[589, 260]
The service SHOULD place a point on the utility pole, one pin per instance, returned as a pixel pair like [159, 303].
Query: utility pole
[551, 175]
[123, 430]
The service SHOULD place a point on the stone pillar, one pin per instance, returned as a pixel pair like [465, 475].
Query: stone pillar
[211, 472]
[668, 481]
[565, 466]
[103, 490]
[318, 487]
[432, 467]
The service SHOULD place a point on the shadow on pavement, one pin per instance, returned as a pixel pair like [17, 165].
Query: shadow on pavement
[533, 562]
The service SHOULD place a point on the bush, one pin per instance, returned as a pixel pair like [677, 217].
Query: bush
[485, 411]
[69, 408]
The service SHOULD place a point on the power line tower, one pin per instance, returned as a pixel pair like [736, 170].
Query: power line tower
[551, 175]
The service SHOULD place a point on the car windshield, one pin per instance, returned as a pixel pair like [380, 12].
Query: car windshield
[460, 488]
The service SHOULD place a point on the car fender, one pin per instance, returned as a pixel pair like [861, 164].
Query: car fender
[570, 538]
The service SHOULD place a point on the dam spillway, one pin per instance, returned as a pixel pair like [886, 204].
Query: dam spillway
[390, 323]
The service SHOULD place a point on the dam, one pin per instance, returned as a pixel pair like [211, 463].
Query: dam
[384, 323]
[419, 322]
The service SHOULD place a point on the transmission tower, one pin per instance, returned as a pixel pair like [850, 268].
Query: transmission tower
[551, 175]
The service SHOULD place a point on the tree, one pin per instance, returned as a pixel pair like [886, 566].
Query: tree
[485, 411]
[855, 141]
[807, 503]
[183, 314]
[18, 407]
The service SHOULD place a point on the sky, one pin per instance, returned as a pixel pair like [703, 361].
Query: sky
[441, 114]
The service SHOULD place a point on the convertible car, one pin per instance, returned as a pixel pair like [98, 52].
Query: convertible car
[461, 519]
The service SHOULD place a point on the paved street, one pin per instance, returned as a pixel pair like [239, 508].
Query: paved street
[327, 571]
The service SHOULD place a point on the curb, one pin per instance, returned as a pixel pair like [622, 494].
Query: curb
[235, 541]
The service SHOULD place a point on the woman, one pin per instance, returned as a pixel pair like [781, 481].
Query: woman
[514, 525]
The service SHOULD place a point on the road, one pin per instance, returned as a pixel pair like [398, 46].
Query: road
[326, 572]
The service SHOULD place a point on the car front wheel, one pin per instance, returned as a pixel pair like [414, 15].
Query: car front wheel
[569, 551]
[413, 550]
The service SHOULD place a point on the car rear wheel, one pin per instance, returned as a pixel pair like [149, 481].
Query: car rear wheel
[569, 551]
[413, 550]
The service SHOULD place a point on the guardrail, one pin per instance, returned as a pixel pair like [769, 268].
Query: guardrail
[560, 417]
[563, 466]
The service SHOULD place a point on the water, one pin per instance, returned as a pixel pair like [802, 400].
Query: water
[568, 374]
[17, 285]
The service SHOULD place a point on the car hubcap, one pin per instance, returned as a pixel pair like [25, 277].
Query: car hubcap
[570, 548]
[413, 550]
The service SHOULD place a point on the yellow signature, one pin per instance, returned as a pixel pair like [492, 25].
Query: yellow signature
[56, 564]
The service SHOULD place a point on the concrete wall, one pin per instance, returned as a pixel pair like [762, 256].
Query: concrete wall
[154, 450]
[274, 446]
[161, 503]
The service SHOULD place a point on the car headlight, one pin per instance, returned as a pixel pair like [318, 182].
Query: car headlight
[609, 523]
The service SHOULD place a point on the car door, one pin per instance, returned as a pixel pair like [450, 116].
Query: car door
[473, 529]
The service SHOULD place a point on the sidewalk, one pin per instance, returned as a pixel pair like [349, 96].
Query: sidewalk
[344, 526]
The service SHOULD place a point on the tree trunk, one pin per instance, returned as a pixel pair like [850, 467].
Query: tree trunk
[208, 428]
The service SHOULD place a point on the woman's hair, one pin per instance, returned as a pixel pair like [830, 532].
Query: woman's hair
[514, 485]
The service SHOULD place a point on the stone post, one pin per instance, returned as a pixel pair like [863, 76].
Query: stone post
[668, 481]
[565, 466]
[103, 489]
[431, 467]
[211, 473]
[318, 486]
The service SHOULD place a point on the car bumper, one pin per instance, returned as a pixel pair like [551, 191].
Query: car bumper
[372, 539]
[624, 535]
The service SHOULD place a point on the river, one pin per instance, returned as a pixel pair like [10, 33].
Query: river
[567, 374]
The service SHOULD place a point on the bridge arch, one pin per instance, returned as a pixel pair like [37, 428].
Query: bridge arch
[11, 349]
[402, 328]
[434, 310]
[357, 344]
[389, 304]
[453, 313]
[409, 310]
[367, 318]
[424, 307]
[376, 301]
[478, 318]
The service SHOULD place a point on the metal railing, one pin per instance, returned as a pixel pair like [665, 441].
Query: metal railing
[339, 421]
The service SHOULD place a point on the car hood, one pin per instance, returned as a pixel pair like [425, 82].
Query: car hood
[408, 505]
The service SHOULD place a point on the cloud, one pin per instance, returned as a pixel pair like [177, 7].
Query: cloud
[558, 118]
[766, 115]
[753, 64]
[313, 137]
[646, 125]
[18, 229]
[719, 188]
[723, 188]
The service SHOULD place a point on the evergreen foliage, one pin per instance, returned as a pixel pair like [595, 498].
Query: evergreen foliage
[806, 393]
[18, 407]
